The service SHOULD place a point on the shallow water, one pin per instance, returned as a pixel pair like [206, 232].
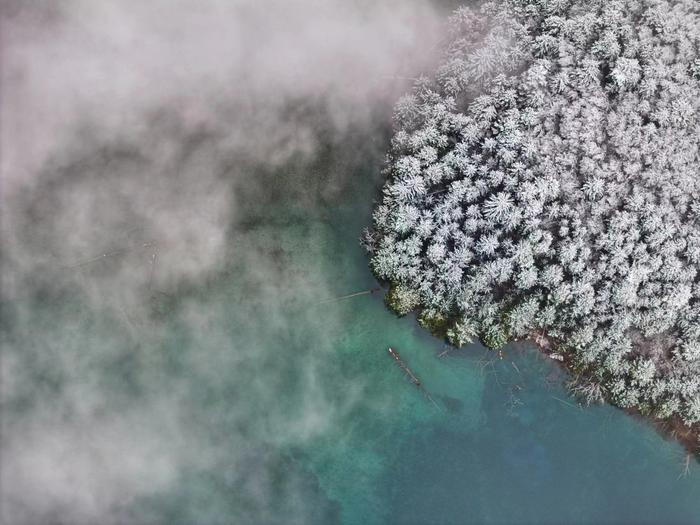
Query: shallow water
[288, 408]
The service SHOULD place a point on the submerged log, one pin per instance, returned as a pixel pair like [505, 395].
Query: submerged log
[404, 367]
[411, 376]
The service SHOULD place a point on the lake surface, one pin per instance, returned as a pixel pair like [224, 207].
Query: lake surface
[336, 415]
[290, 410]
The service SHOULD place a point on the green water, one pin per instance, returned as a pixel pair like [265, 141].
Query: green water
[289, 409]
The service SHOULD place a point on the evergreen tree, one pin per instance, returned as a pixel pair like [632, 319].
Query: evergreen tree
[547, 180]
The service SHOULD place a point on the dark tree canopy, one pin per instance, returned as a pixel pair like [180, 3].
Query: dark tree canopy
[546, 180]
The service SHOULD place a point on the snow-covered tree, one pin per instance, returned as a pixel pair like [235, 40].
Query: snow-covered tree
[547, 180]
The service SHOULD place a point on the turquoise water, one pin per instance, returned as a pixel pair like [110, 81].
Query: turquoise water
[289, 409]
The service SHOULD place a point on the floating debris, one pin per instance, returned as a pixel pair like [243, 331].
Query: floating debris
[447, 351]
[566, 402]
[363, 292]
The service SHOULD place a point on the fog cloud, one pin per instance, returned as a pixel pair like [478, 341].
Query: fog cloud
[128, 130]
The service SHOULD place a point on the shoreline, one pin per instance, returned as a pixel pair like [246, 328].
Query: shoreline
[671, 428]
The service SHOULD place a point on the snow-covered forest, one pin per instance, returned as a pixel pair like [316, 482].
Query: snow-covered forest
[544, 183]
